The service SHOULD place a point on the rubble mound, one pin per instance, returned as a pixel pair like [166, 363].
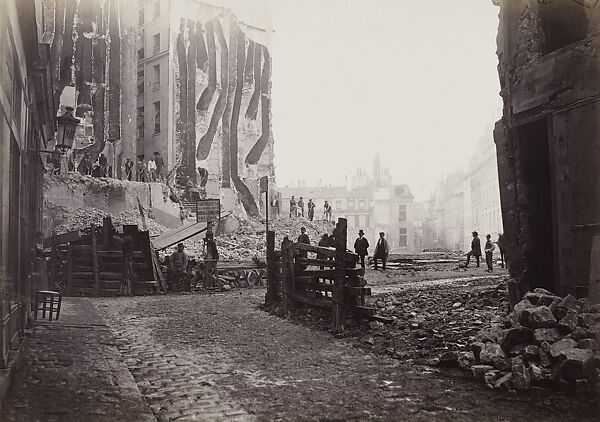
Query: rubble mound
[82, 219]
[249, 240]
[547, 341]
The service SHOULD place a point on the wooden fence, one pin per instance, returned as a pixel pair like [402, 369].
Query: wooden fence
[328, 280]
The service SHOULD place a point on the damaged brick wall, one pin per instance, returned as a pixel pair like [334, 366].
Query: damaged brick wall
[548, 141]
[223, 83]
[92, 41]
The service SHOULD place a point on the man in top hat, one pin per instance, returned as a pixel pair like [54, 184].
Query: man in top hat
[475, 249]
[382, 250]
[361, 244]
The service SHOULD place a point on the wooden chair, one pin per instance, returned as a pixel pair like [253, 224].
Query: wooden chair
[47, 301]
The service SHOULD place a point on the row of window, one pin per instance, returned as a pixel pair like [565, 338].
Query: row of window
[140, 120]
[140, 74]
[155, 47]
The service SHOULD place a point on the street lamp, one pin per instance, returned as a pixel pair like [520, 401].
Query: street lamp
[65, 134]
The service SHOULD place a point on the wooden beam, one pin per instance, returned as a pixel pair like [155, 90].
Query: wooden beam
[69, 282]
[60, 239]
[339, 311]
[95, 261]
[322, 303]
[350, 272]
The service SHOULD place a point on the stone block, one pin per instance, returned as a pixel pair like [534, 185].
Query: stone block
[588, 319]
[561, 347]
[514, 336]
[549, 335]
[521, 377]
[568, 323]
[490, 352]
[531, 352]
[571, 303]
[588, 343]
[538, 317]
[518, 350]
[491, 376]
[503, 364]
[476, 347]
[577, 364]
[504, 382]
[449, 358]
[480, 370]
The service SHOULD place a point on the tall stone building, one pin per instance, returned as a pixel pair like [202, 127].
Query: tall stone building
[204, 84]
[548, 140]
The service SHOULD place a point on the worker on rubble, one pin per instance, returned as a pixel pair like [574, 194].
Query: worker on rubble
[178, 262]
[327, 211]
[311, 210]
[293, 207]
[86, 165]
[285, 243]
[160, 166]
[152, 169]
[382, 250]
[275, 207]
[475, 249]
[129, 169]
[103, 162]
[489, 250]
[361, 246]
[301, 206]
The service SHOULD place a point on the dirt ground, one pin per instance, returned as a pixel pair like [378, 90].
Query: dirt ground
[271, 369]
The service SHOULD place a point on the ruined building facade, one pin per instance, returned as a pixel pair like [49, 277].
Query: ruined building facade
[93, 45]
[204, 95]
[548, 141]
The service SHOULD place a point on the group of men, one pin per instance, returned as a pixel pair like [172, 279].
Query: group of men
[153, 171]
[99, 168]
[297, 209]
[361, 246]
[488, 250]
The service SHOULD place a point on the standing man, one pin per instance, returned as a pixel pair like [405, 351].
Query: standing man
[160, 166]
[141, 171]
[103, 161]
[382, 250]
[182, 214]
[152, 169]
[86, 165]
[275, 207]
[489, 250]
[292, 207]
[178, 262]
[311, 210]
[327, 211]
[501, 246]
[361, 244]
[303, 238]
[475, 249]
[301, 206]
[129, 169]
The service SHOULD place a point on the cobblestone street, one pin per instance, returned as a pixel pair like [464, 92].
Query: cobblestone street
[219, 357]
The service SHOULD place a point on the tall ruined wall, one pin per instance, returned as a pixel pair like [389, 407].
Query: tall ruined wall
[222, 100]
[93, 43]
[548, 141]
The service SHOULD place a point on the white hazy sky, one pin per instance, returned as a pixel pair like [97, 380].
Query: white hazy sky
[413, 80]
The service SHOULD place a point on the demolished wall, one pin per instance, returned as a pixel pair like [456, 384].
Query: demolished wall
[222, 107]
[548, 141]
[66, 195]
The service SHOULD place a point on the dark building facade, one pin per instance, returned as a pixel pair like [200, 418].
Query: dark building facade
[548, 141]
[27, 122]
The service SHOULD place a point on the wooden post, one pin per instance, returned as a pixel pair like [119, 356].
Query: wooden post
[107, 229]
[594, 283]
[339, 309]
[128, 274]
[54, 265]
[272, 295]
[96, 291]
[69, 282]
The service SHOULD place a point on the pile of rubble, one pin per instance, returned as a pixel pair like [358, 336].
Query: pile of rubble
[249, 240]
[82, 219]
[546, 341]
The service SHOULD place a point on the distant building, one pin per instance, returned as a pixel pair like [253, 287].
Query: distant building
[372, 204]
[465, 202]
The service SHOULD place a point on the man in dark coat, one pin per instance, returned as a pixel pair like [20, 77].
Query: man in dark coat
[361, 244]
[303, 238]
[475, 249]
[301, 207]
[129, 169]
[311, 209]
[160, 166]
[382, 250]
[501, 247]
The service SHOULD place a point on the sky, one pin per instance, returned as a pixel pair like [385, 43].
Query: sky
[412, 80]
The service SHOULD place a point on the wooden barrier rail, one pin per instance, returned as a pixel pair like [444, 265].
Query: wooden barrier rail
[330, 281]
